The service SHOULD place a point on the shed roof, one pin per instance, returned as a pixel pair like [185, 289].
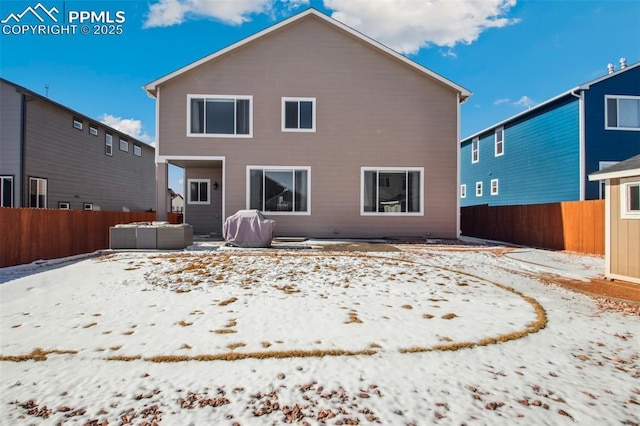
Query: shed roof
[627, 168]
[151, 88]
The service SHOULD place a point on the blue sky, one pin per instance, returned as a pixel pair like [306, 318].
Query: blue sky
[511, 54]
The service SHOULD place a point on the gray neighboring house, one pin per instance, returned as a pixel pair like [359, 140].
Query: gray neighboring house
[54, 157]
[325, 130]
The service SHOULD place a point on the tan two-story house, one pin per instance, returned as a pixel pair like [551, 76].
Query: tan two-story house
[323, 129]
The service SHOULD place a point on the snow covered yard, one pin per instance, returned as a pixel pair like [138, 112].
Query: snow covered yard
[428, 334]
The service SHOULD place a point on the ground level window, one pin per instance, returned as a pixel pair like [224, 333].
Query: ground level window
[64, 205]
[38, 193]
[6, 191]
[199, 192]
[391, 190]
[463, 191]
[494, 186]
[279, 189]
[630, 199]
[87, 206]
[478, 189]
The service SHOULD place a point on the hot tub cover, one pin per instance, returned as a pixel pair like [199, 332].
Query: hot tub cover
[248, 228]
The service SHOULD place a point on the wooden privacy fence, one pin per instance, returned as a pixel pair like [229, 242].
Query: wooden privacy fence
[574, 226]
[27, 235]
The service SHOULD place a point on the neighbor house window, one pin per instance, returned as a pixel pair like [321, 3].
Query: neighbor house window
[630, 198]
[124, 145]
[475, 150]
[64, 205]
[199, 191]
[463, 191]
[77, 123]
[478, 189]
[388, 190]
[277, 189]
[87, 206]
[93, 130]
[6, 191]
[108, 144]
[38, 193]
[622, 112]
[220, 115]
[298, 114]
[137, 150]
[494, 186]
[499, 141]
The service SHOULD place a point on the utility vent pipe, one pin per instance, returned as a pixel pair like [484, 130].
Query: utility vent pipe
[610, 68]
[623, 63]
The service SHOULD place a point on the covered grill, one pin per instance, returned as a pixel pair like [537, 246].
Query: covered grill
[248, 228]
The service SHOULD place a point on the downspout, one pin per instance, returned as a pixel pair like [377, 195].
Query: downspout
[458, 167]
[581, 153]
[23, 139]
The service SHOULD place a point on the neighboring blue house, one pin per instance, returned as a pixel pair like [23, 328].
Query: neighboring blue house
[544, 154]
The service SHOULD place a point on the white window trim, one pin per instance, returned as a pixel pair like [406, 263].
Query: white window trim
[137, 150]
[499, 130]
[64, 205]
[108, 144]
[313, 114]
[279, 168]
[9, 178]
[476, 141]
[46, 192]
[478, 189]
[87, 206]
[202, 203]
[78, 124]
[494, 188]
[93, 130]
[123, 142]
[391, 169]
[606, 112]
[463, 190]
[219, 135]
[625, 213]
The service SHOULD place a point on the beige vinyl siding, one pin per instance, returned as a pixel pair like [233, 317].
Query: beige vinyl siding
[371, 111]
[625, 238]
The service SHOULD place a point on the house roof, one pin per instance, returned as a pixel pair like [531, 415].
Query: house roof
[151, 88]
[627, 168]
[570, 92]
[24, 90]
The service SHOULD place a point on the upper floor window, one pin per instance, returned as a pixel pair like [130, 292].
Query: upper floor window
[38, 193]
[298, 114]
[6, 191]
[124, 145]
[199, 191]
[499, 138]
[279, 189]
[475, 150]
[137, 150]
[630, 198]
[220, 115]
[389, 191]
[77, 123]
[622, 112]
[108, 144]
[93, 130]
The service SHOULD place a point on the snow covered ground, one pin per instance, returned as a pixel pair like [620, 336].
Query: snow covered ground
[427, 334]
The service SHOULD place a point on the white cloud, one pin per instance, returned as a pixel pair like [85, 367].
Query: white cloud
[166, 13]
[128, 126]
[408, 25]
[501, 101]
[524, 101]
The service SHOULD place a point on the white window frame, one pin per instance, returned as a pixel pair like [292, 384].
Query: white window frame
[137, 150]
[87, 206]
[12, 195]
[77, 123]
[292, 169]
[475, 150]
[199, 182]
[391, 169]
[64, 205]
[220, 135]
[625, 185]
[93, 130]
[494, 186]
[124, 143]
[46, 191]
[478, 189]
[108, 144]
[500, 142]
[298, 100]
[606, 112]
[463, 190]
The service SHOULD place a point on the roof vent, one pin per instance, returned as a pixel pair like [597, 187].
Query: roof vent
[610, 68]
[623, 63]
